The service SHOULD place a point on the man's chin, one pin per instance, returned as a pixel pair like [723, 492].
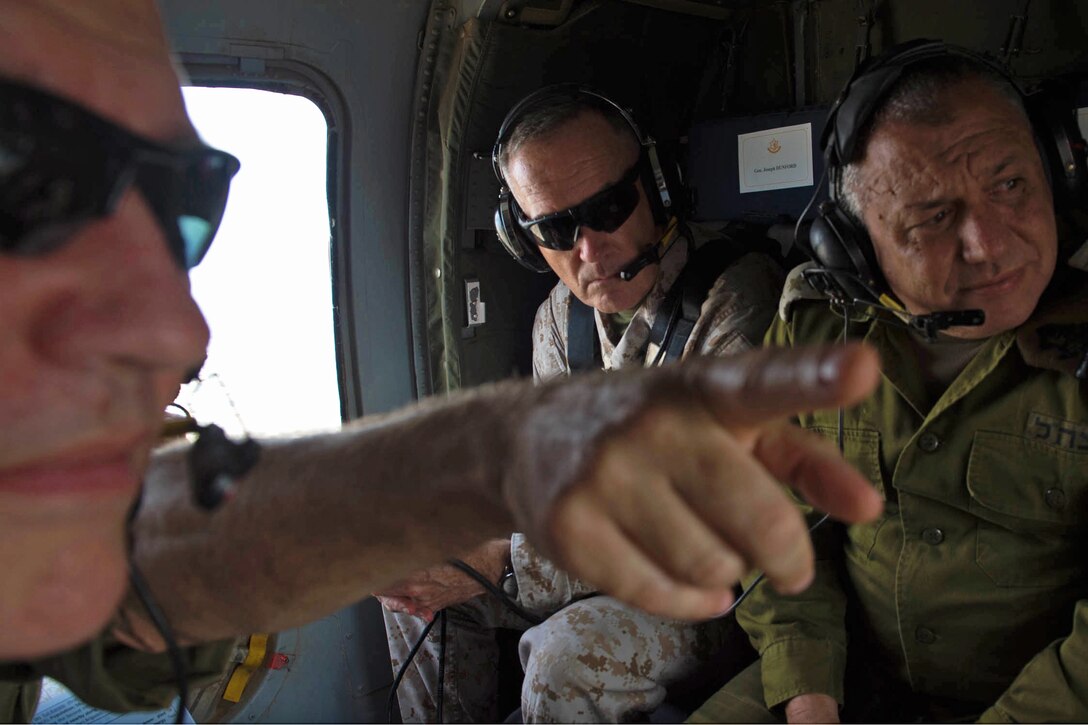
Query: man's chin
[614, 295]
[58, 597]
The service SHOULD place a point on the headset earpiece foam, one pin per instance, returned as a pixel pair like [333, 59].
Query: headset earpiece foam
[837, 244]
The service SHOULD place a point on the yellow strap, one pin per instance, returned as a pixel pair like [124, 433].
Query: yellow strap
[258, 646]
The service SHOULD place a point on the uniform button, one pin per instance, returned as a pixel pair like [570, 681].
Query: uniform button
[929, 442]
[932, 536]
[1055, 498]
[925, 636]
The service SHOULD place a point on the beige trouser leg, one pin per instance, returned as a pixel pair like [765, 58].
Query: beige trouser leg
[472, 655]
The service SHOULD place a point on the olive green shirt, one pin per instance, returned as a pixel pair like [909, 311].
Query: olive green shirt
[966, 598]
[107, 675]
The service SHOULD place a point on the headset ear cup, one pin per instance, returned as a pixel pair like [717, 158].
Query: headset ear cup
[1053, 119]
[513, 238]
[837, 243]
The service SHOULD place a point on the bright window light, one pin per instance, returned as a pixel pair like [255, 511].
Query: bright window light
[266, 285]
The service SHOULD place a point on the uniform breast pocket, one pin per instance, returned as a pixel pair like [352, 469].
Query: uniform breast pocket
[1031, 500]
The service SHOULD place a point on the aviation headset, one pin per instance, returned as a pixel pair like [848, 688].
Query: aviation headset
[836, 241]
[516, 240]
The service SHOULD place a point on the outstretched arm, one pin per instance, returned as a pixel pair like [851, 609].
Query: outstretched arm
[660, 487]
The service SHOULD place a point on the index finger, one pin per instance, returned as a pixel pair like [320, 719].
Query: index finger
[771, 383]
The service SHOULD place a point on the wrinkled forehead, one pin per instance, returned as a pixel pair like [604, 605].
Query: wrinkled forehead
[570, 163]
[981, 135]
[110, 56]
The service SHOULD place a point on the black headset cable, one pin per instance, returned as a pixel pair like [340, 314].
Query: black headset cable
[840, 437]
[499, 594]
[158, 617]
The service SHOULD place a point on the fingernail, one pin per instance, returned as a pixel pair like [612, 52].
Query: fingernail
[831, 366]
[727, 604]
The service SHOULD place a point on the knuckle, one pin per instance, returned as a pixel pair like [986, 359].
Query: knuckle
[571, 516]
[649, 595]
[712, 567]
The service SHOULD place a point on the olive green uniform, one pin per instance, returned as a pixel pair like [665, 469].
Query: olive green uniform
[107, 675]
[966, 598]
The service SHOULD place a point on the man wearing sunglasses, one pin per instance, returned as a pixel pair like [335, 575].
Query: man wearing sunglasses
[587, 197]
[107, 198]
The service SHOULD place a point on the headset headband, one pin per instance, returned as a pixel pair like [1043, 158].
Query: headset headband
[864, 94]
[564, 91]
[575, 91]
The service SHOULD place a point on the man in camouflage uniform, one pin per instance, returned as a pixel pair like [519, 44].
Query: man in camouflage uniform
[593, 659]
[966, 599]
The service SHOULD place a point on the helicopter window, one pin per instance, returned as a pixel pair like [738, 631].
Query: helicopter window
[266, 285]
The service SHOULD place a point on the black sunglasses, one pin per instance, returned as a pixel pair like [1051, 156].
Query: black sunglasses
[605, 211]
[62, 166]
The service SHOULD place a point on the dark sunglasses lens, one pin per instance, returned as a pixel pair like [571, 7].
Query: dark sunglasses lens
[611, 208]
[556, 232]
[61, 166]
[47, 188]
[207, 186]
[189, 200]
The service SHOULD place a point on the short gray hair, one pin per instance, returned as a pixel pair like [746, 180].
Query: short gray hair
[545, 118]
[919, 96]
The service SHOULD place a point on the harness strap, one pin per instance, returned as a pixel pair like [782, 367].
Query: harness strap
[683, 304]
[583, 348]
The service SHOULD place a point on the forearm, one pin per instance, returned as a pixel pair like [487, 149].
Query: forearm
[320, 522]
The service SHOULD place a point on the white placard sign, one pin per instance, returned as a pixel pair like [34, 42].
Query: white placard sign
[778, 158]
[1082, 121]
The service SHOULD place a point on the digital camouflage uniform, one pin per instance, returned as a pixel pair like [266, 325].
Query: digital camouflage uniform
[965, 599]
[595, 660]
[107, 675]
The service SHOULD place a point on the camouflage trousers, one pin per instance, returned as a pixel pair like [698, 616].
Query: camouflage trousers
[596, 660]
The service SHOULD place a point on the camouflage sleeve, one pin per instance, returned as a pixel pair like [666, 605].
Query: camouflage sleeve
[739, 307]
[1053, 687]
[111, 676]
[543, 588]
[550, 337]
[801, 639]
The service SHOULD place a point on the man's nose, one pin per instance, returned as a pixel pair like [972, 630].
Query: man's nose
[591, 244]
[130, 300]
[983, 236]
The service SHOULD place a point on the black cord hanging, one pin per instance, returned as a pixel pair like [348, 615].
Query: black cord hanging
[158, 617]
[404, 668]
